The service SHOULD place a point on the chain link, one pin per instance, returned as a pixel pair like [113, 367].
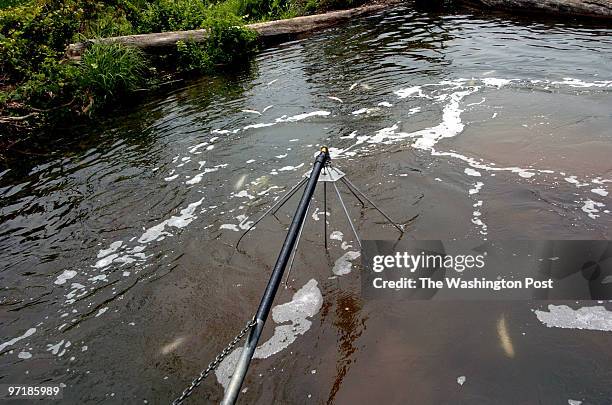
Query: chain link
[214, 364]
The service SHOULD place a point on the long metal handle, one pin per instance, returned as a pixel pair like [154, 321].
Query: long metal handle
[277, 273]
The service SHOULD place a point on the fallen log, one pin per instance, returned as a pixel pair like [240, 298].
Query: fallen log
[578, 8]
[268, 31]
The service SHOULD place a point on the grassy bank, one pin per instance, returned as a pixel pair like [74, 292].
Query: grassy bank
[39, 86]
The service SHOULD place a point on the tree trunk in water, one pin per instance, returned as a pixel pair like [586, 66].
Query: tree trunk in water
[268, 31]
[582, 8]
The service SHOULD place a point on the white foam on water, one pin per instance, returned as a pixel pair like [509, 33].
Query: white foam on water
[300, 117]
[231, 227]
[65, 276]
[495, 82]
[266, 191]
[599, 191]
[599, 180]
[111, 249]
[343, 264]
[414, 110]
[415, 91]
[317, 212]
[290, 168]
[101, 311]
[293, 321]
[259, 125]
[592, 208]
[338, 99]
[244, 224]
[244, 194]
[574, 180]
[568, 81]
[11, 342]
[306, 303]
[450, 126]
[588, 318]
[478, 103]
[155, 233]
[574, 402]
[365, 111]
[99, 277]
[194, 148]
[56, 349]
[337, 235]
[477, 220]
[283, 119]
[477, 188]
[198, 177]
[24, 355]
[471, 172]
[187, 215]
[349, 136]
[106, 261]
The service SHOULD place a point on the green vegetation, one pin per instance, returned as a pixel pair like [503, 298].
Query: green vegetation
[110, 70]
[37, 81]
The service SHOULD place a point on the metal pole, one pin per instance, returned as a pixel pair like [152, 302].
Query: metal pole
[277, 274]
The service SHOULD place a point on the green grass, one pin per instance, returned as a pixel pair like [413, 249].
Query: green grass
[107, 71]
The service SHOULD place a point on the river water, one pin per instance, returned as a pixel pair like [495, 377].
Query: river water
[120, 281]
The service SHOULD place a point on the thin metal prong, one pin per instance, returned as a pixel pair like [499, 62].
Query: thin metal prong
[348, 183]
[289, 195]
[347, 214]
[354, 194]
[297, 242]
[325, 213]
[283, 200]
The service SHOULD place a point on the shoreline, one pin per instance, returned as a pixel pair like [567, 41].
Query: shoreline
[274, 31]
[594, 9]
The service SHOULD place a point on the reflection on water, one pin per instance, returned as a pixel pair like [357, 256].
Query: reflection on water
[119, 278]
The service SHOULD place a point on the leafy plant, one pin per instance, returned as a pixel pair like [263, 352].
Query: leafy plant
[226, 44]
[109, 70]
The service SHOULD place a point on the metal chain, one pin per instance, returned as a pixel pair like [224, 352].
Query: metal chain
[214, 364]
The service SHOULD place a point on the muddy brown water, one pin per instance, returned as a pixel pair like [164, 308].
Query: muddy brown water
[119, 254]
